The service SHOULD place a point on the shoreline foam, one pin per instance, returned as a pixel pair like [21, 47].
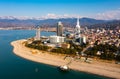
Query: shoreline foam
[98, 68]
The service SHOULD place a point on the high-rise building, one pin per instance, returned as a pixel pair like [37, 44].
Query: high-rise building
[60, 29]
[77, 30]
[78, 37]
[37, 37]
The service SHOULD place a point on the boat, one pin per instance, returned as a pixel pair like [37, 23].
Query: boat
[64, 68]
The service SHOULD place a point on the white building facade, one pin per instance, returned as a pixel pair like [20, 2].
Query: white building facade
[56, 39]
[37, 37]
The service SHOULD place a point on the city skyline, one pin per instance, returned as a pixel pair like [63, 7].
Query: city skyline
[98, 9]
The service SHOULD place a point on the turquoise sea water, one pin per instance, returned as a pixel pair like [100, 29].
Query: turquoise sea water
[14, 67]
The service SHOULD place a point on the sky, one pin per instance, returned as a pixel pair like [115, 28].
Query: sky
[98, 9]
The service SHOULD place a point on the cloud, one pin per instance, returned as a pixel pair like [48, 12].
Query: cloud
[56, 16]
[109, 15]
[48, 16]
[51, 15]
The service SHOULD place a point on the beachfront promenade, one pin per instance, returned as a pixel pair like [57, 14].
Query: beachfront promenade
[96, 67]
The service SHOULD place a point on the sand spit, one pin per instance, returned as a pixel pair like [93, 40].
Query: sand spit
[96, 67]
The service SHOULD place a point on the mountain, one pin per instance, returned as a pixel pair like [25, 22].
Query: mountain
[67, 22]
[90, 21]
[113, 24]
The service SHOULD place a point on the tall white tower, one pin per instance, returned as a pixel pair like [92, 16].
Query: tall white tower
[37, 37]
[77, 30]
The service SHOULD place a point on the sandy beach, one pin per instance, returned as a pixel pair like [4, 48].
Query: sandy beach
[95, 67]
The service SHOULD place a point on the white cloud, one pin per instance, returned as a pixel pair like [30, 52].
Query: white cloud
[51, 15]
[48, 16]
[55, 16]
[18, 17]
[109, 15]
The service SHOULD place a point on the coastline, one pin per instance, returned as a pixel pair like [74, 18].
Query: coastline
[98, 68]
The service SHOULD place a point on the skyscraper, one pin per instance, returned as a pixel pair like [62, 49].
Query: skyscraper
[37, 37]
[77, 30]
[60, 29]
[78, 37]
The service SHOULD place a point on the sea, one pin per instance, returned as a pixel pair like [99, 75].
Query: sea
[15, 67]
